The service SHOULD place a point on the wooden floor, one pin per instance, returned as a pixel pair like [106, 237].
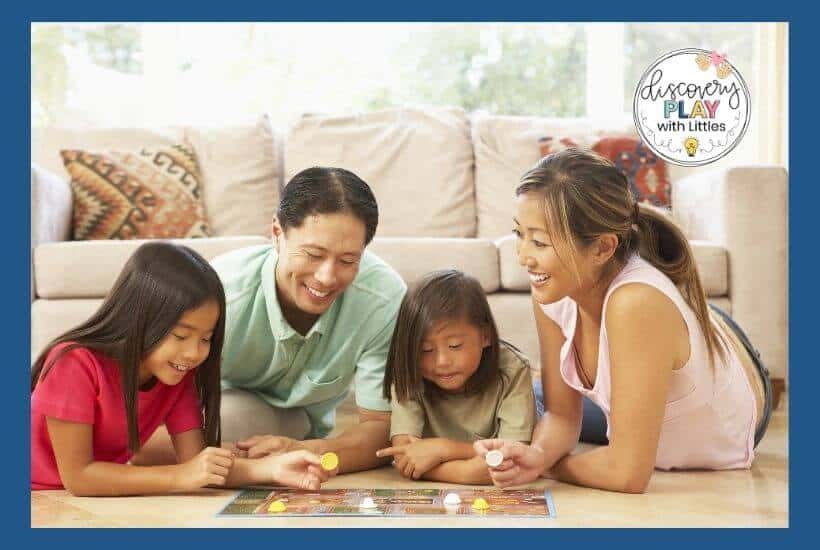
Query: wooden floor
[748, 498]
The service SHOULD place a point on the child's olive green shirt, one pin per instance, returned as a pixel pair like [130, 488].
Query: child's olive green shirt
[349, 341]
[504, 410]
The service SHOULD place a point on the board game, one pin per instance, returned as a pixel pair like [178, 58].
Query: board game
[280, 502]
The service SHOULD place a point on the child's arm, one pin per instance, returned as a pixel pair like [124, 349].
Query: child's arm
[465, 471]
[299, 469]
[84, 476]
[436, 459]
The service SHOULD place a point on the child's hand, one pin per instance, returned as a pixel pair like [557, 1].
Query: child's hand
[414, 459]
[264, 445]
[522, 463]
[210, 467]
[300, 469]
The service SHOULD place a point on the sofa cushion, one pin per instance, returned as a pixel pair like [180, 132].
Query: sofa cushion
[712, 261]
[48, 142]
[419, 164]
[145, 194]
[241, 176]
[507, 146]
[413, 258]
[88, 269]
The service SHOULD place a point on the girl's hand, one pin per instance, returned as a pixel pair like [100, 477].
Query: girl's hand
[522, 463]
[299, 469]
[210, 467]
[264, 445]
[414, 459]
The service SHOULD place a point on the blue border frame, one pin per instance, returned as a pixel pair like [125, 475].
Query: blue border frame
[16, 330]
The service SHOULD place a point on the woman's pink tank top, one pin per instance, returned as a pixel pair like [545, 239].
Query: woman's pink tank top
[709, 420]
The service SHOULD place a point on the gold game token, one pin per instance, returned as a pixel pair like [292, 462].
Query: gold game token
[480, 504]
[277, 506]
[330, 461]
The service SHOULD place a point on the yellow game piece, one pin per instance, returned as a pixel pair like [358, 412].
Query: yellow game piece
[330, 461]
[480, 504]
[277, 506]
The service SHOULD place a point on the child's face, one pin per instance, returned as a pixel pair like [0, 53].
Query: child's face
[184, 348]
[451, 353]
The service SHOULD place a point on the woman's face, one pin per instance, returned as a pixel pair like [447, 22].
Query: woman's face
[318, 260]
[550, 279]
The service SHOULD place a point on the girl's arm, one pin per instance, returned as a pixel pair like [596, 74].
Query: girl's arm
[300, 469]
[647, 339]
[84, 476]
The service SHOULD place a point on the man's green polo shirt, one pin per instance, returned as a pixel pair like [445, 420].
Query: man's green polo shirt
[349, 342]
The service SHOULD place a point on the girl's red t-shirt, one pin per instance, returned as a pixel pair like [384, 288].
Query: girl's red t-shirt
[84, 386]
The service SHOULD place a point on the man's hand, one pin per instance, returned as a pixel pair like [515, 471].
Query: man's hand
[299, 469]
[264, 445]
[416, 458]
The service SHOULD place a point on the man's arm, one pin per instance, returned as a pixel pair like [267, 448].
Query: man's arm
[357, 445]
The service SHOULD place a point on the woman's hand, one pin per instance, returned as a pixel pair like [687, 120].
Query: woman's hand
[210, 467]
[299, 469]
[416, 458]
[522, 463]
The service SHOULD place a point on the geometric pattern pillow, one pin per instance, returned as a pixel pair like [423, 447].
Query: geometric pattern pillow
[148, 194]
[647, 173]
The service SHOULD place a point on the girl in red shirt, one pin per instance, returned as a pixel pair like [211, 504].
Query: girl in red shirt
[149, 356]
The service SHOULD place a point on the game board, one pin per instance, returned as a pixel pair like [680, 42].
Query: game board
[529, 503]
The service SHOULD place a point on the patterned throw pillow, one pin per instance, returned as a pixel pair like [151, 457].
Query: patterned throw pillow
[647, 173]
[149, 194]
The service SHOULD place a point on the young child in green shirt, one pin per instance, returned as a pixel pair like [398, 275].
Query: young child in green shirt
[452, 381]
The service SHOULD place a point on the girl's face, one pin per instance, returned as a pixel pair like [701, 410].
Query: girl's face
[550, 279]
[318, 260]
[451, 353]
[184, 348]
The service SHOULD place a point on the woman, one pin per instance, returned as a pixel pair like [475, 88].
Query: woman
[622, 320]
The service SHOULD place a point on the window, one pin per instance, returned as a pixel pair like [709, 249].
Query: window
[221, 73]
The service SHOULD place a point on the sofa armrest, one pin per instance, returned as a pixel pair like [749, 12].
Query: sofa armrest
[50, 211]
[50, 207]
[745, 209]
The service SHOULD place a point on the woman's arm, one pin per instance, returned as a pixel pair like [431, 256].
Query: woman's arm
[557, 433]
[84, 476]
[647, 340]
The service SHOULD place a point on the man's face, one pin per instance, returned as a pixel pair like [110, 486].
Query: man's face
[318, 260]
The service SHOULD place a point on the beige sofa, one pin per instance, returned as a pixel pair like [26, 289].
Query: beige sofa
[444, 181]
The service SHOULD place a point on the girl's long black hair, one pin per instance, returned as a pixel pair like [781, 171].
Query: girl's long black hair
[158, 284]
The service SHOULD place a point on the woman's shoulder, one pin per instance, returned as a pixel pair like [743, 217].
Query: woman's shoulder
[639, 307]
[561, 311]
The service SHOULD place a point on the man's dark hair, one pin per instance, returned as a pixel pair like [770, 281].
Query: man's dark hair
[321, 190]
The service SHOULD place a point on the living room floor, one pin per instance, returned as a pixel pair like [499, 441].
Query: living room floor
[749, 498]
